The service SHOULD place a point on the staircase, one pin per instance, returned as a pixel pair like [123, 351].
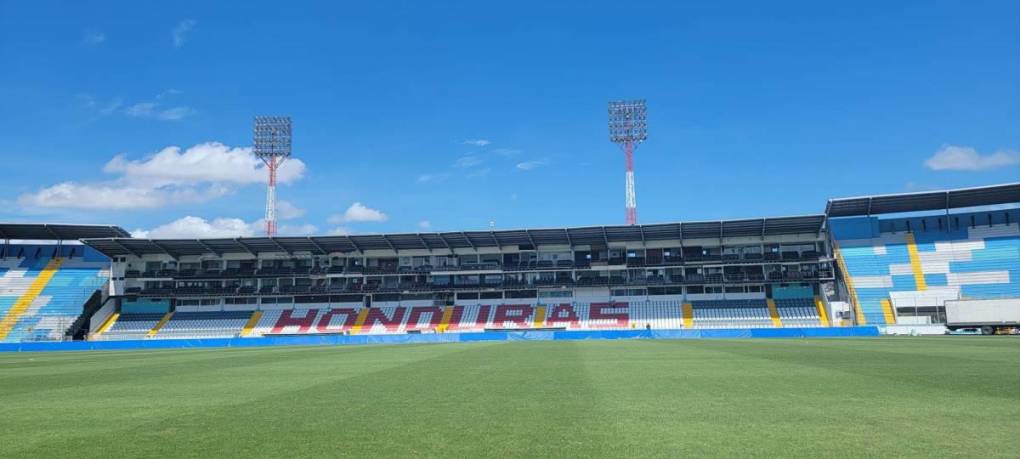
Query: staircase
[849, 283]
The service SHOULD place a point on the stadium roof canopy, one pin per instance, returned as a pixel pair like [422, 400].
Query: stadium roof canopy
[928, 200]
[592, 235]
[46, 231]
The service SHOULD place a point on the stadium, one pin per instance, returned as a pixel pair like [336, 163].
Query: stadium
[588, 295]
[848, 271]
[440, 254]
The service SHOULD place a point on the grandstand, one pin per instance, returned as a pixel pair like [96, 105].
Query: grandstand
[879, 260]
[665, 276]
[901, 269]
[47, 279]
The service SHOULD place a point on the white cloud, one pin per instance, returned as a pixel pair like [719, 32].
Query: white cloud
[93, 38]
[358, 212]
[956, 158]
[477, 142]
[153, 110]
[89, 102]
[113, 196]
[172, 176]
[296, 229]
[175, 113]
[424, 224]
[141, 109]
[205, 162]
[147, 109]
[467, 161]
[340, 231]
[112, 107]
[287, 211]
[180, 33]
[191, 227]
[530, 165]
[196, 227]
[306, 229]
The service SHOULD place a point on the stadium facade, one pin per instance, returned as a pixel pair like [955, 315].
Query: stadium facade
[876, 260]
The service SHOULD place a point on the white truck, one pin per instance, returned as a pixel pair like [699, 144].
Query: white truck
[990, 316]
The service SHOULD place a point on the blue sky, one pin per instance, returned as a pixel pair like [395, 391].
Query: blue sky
[446, 116]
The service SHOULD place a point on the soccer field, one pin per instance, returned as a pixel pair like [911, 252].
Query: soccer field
[827, 397]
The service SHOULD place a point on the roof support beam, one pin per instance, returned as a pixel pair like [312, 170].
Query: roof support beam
[466, 238]
[122, 246]
[318, 246]
[605, 236]
[531, 239]
[164, 249]
[53, 232]
[355, 244]
[390, 243]
[246, 247]
[280, 246]
[570, 242]
[210, 249]
[443, 238]
[424, 243]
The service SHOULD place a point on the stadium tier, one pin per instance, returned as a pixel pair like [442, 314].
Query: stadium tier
[880, 260]
[723, 271]
[907, 267]
[356, 319]
[44, 283]
[43, 288]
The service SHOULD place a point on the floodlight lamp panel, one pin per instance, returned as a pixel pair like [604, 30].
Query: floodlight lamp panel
[628, 121]
[272, 136]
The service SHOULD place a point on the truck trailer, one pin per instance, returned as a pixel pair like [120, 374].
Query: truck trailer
[990, 316]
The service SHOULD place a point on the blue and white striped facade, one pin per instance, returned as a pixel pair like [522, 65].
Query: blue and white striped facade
[972, 255]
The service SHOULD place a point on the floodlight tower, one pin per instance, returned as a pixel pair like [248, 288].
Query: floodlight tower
[272, 146]
[628, 127]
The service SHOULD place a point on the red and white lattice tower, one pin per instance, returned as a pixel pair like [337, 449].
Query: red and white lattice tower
[628, 127]
[272, 146]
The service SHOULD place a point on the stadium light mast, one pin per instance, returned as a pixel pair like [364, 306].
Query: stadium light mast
[628, 127]
[272, 146]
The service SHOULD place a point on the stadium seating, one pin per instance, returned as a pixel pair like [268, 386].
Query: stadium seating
[657, 314]
[216, 324]
[977, 261]
[731, 314]
[570, 316]
[352, 318]
[132, 326]
[43, 289]
[798, 312]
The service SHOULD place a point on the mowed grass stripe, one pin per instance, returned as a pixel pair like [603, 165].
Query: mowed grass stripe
[856, 402]
[119, 372]
[463, 404]
[904, 397]
[705, 402]
[932, 369]
[196, 383]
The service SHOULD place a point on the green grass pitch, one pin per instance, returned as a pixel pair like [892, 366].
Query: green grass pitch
[935, 396]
